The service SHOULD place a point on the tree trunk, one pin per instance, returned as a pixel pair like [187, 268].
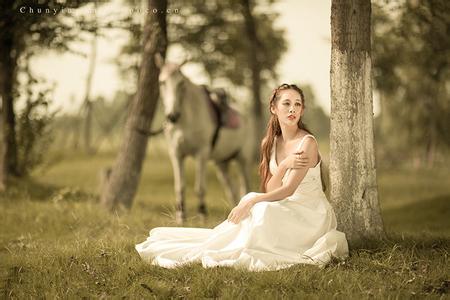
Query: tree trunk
[254, 50]
[123, 181]
[354, 192]
[8, 64]
[2, 173]
[87, 104]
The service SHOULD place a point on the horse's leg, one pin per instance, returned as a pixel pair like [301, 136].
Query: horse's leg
[244, 167]
[178, 176]
[224, 177]
[200, 183]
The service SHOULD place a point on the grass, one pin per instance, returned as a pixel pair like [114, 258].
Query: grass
[56, 241]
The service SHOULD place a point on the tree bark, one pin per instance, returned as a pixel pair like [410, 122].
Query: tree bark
[255, 48]
[123, 181]
[354, 193]
[9, 53]
[2, 173]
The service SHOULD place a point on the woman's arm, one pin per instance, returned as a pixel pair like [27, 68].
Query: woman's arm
[295, 177]
[275, 181]
[293, 161]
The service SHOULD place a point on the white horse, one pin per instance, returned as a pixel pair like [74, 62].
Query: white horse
[192, 130]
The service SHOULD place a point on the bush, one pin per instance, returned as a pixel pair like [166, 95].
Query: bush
[34, 133]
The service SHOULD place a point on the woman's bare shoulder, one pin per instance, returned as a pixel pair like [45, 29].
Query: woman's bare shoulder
[310, 142]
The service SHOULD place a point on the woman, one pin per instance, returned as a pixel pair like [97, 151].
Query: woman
[290, 223]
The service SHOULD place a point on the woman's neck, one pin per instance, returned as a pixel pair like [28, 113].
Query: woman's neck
[289, 133]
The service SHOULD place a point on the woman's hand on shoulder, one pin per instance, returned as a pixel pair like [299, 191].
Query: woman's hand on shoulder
[296, 176]
[297, 160]
[311, 150]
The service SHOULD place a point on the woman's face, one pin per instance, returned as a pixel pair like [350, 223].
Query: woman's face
[289, 107]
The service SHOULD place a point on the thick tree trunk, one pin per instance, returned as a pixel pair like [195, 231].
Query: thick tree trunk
[354, 192]
[123, 181]
[2, 173]
[8, 65]
[255, 48]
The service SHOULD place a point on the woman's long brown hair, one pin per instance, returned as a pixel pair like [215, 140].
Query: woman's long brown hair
[274, 129]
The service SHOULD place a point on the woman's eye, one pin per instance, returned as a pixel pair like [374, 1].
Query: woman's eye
[298, 104]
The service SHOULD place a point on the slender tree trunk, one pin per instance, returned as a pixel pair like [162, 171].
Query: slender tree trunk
[354, 192]
[8, 64]
[254, 50]
[87, 104]
[122, 184]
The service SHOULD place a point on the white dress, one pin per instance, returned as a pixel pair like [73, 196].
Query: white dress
[276, 235]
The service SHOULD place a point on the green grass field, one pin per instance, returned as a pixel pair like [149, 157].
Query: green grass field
[57, 242]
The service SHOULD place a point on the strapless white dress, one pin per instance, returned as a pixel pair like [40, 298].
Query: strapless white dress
[300, 229]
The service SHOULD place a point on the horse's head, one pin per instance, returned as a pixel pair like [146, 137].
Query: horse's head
[172, 88]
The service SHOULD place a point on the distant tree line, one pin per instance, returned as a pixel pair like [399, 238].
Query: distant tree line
[411, 48]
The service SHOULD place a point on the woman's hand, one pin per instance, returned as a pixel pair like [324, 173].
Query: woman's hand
[241, 211]
[297, 160]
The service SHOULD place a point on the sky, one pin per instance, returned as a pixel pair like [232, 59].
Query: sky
[307, 61]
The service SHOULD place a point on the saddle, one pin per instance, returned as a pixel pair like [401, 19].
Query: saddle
[222, 113]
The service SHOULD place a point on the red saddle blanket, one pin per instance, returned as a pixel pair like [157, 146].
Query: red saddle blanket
[222, 113]
[232, 118]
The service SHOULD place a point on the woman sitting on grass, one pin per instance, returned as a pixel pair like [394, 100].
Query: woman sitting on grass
[291, 222]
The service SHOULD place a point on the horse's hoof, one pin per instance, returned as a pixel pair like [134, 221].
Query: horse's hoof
[202, 209]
